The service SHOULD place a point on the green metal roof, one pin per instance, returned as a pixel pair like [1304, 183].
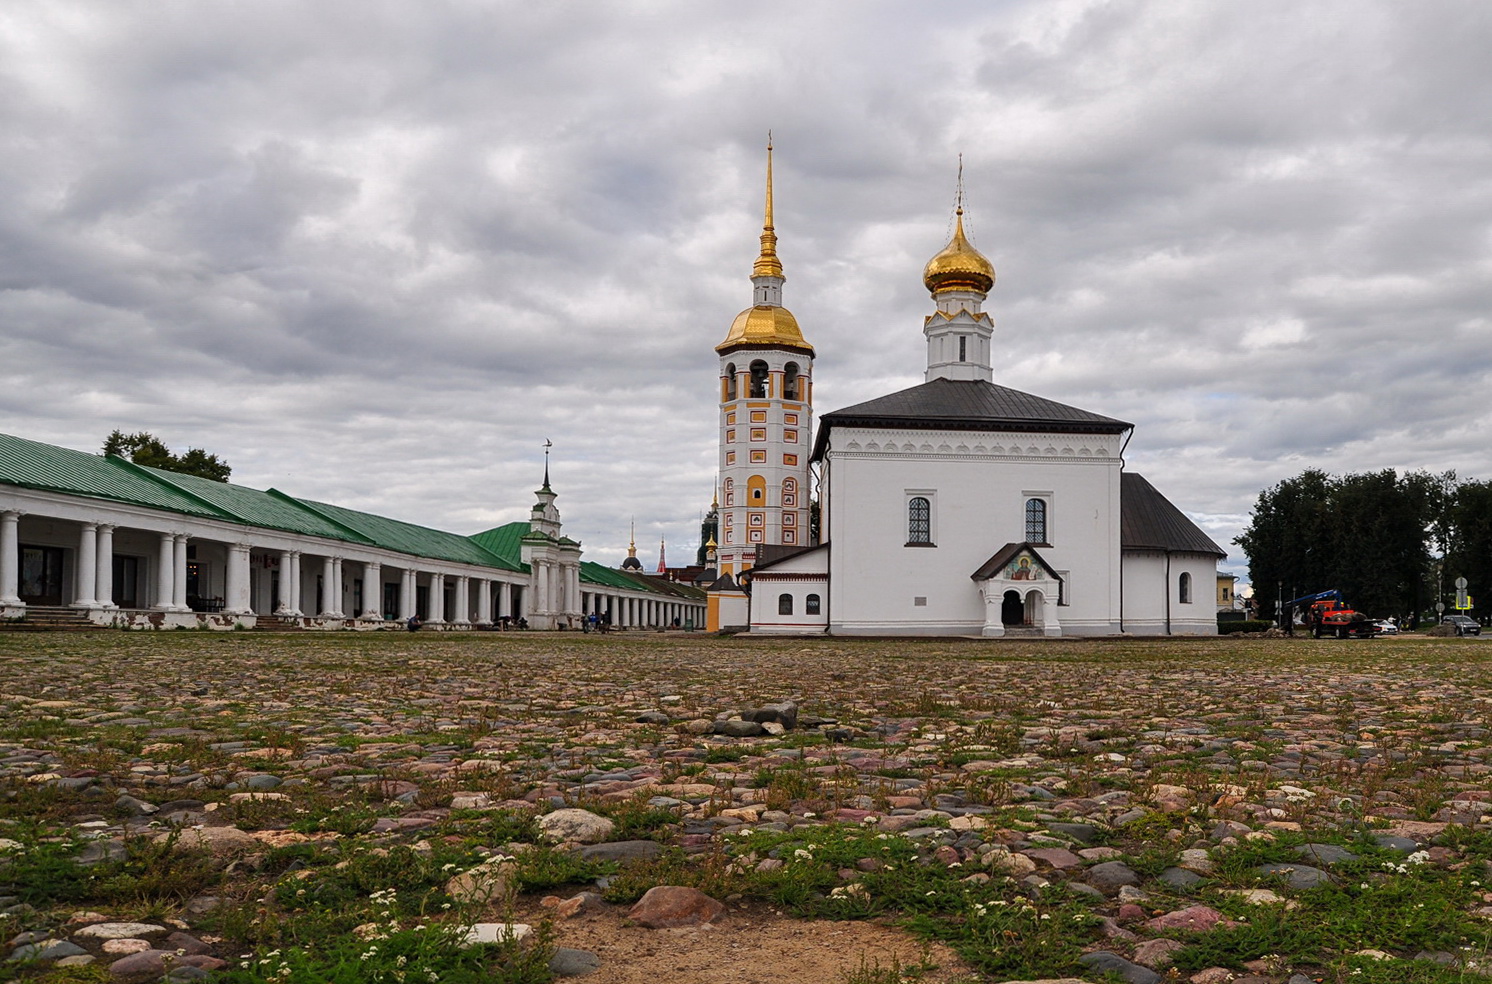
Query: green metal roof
[253, 506]
[613, 578]
[505, 541]
[33, 465]
[393, 534]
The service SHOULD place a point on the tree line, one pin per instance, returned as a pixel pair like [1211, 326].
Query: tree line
[145, 448]
[1392, 544]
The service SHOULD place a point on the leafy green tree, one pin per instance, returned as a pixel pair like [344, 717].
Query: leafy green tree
[1288, 540]
[1366, 535]
[1380, 525]
[145, 448]
[1470, 553]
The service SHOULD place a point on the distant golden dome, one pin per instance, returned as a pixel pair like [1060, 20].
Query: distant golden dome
[764, 324]
[959, 266]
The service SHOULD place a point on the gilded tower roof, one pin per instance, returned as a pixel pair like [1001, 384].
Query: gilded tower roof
[766, 324]
[959, 266]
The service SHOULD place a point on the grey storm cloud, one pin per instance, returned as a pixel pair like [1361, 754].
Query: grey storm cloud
[377, 253]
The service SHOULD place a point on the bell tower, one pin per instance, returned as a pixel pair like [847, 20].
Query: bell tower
[766, 417]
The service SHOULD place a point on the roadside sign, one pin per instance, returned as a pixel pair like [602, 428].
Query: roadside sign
[1460, 584]
[1440, 606]
[1463, 601]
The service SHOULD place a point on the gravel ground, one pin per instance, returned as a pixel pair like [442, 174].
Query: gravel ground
[1045, 762]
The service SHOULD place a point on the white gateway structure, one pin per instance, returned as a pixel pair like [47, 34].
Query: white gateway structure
[960, 507]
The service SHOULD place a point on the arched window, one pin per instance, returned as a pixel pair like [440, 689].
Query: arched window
[1036, 521]
[919, 520]
[1184, 588]
[784, 604]
[790, 382]
[730, 381]
[758, 379]
[811, 605]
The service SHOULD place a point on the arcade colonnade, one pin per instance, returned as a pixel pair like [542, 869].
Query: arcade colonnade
[165, 571]
[139, 548]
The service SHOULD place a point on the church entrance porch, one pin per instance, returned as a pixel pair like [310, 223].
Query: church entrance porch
[1020, 593]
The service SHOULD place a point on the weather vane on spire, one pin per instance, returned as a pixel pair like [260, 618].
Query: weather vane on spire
[547, 445]
[959, 199]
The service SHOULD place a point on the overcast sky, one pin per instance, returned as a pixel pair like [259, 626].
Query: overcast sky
[377, 253]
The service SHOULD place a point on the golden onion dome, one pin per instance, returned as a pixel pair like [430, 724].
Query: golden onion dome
[959, 266]
[765, 324]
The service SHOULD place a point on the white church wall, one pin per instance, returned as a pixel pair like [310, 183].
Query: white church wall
[804, 581]
[1152, 602]
[879, 585]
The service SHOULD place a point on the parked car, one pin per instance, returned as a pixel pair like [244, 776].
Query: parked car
[1465, 625]
[1388, 626]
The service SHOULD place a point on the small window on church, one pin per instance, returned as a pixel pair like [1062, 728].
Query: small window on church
[1036, 521]
[963, 348]
[730, 381]
[759, 374]
[784, 604]
[790, 382]
[919, 520]
[1184, 588]
[811, 605]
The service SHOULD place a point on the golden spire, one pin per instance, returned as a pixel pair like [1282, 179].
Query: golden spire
[959, 266]
[632, 543]
[767, 264]
[715, 499]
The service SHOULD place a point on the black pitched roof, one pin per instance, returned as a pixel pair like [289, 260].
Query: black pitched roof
[1148, 521]
[959, 404]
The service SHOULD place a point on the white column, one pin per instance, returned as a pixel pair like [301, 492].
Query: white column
[237, 588]
[437, 599]
[484, 601]
[165, 579]
[297, 567]
[406, 594]
[372, 590]
[179, 588]
[462, 599]
[10, 558]
[328, 606]
[284, 606]
[339, 589]
[541, 586]
[504, 599]
[104, 575]
[86, 576]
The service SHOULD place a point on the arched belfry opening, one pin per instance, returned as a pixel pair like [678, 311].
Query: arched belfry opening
[790, 382]
[759, 374]
[730, 381]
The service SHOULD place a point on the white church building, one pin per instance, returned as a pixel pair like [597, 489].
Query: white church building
[958, 507]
